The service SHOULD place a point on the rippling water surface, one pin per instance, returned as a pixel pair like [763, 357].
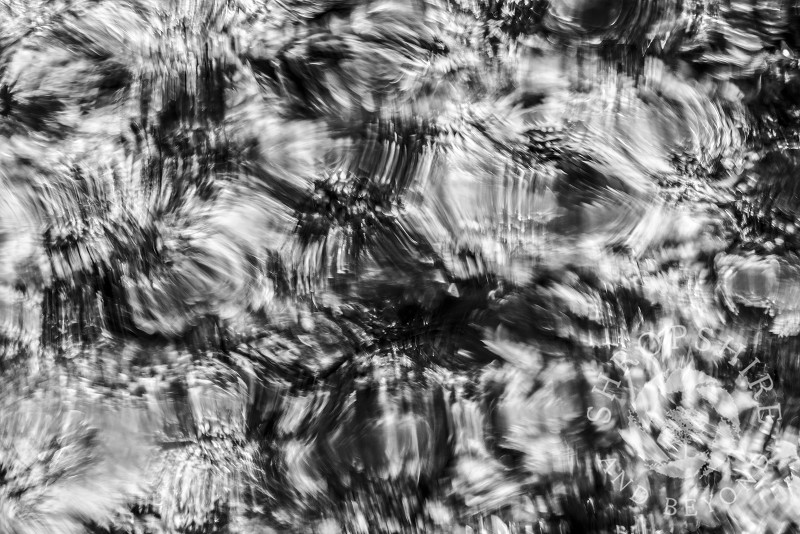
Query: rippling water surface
[372, 266]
